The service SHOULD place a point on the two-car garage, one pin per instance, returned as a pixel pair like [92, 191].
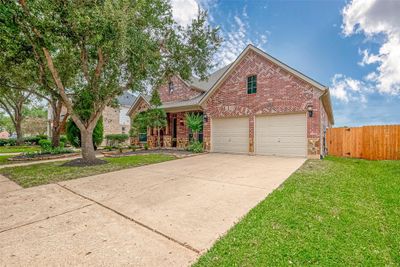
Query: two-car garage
[279, 135]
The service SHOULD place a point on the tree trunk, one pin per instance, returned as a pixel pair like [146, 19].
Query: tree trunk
[18, 130]
[55, 136]
[88, 152]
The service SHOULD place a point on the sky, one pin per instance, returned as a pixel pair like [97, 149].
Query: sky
[353, 47]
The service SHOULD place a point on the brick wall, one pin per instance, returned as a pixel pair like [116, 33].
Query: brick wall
[278, 91]
[181, 91]
[111, 122]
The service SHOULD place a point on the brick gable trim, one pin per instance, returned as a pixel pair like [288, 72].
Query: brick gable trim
[135, 104]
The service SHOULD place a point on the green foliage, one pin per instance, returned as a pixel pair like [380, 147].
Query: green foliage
[45, 144]
[155, 99]
[196, 147]
[36, 112]
[194, 122]
[73, 133]
[100, 48]
[139, 124]
[8, 142]
[6, 123]
[64, 139]
[146, 146]
[157, 118]
[116, 140]
[117, 137]
[34, 140]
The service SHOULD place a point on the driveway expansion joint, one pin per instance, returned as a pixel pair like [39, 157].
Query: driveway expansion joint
[183, 244]
[47, 218]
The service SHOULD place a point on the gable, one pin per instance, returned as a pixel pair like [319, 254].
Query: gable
[281, 69]
[182, 91]
[138, 106]
[278, 91]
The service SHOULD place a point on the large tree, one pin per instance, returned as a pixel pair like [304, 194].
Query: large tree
[111, 46]
[13, 101]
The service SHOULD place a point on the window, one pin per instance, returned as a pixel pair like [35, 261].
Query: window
[252, 84]
[171, 87]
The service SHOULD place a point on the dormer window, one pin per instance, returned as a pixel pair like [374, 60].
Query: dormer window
[171, 87]
[252, 84]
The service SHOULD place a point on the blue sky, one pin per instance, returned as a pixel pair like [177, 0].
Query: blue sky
[350, 46]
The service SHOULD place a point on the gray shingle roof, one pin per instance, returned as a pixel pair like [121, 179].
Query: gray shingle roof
[126, 99]
[212, 79]
[183, 103]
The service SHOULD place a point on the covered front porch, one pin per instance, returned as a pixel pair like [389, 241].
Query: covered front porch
[176, 133]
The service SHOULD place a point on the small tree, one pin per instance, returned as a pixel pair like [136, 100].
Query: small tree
[157, 117]
[139, 124]
[194, 122]
[74, 134]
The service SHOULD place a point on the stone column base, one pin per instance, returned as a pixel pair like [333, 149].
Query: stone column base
[167, 139]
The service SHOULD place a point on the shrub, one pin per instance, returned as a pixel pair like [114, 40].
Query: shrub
[63, 139]
[34, 140]
[74, 134]
[45, 144]
[146, 146]
[117, 137]
[196, 147]
[8, 142]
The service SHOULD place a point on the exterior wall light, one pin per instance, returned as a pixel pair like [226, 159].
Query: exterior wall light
[205, 117]
[310, 111]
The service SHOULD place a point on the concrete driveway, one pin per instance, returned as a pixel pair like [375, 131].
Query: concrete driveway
[162, 214]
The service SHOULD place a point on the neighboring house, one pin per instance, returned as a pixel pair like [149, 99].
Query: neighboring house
[255, 105]
[115, 120]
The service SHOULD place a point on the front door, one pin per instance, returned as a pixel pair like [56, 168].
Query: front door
[174, 131]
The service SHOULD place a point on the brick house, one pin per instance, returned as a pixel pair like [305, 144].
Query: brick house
[255, 105]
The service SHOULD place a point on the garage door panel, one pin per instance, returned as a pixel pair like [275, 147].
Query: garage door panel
[282, 135]
[230, 135]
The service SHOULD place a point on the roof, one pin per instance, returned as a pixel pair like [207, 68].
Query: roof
[193, 102]
[207, 84]
[213, 81]
[126, 99]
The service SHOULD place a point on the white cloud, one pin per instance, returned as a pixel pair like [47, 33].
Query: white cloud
[235, 34]
[375, 18]
[184, 11]
[237, 37]
[348, 89]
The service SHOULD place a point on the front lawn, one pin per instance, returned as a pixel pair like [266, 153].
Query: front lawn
[18, 149]
[334, 212]
[4, 159]
[52, 172]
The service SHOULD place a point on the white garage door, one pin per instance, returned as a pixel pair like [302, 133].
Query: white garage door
[230, 135]
[281, 135]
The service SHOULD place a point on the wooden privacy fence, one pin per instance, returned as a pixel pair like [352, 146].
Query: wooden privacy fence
[367, 142]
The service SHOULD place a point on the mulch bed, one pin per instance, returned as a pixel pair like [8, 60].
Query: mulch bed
[42, 157]
[174, 152]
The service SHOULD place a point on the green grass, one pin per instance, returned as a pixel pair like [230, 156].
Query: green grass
[4, 160]
[45, 173]
[18, 149]
[334, 212]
